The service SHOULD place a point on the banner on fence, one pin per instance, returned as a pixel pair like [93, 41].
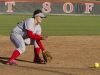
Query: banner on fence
[50, 7]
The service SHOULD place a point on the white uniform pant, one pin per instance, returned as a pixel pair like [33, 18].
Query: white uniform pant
[20, 43]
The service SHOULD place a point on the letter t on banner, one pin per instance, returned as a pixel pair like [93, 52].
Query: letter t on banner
[10, 6]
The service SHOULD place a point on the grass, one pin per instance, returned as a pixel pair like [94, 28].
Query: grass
[56, 25]
[72, 25]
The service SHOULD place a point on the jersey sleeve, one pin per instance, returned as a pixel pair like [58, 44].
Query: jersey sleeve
[32, 36]
[29, 25]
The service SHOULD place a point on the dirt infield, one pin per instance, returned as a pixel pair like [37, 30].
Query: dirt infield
[72, 55]
[47, 0]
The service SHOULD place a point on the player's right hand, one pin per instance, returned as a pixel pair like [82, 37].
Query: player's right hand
[45, 37]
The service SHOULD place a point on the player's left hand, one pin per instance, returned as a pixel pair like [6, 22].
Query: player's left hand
[46, 56]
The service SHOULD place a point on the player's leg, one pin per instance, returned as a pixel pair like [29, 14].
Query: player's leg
[37, 50]
[18, 41]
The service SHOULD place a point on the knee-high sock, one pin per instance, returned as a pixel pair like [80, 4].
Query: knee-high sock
[36, 52]
[15, 54]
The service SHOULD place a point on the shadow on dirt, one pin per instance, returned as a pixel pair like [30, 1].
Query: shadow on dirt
[3, 60]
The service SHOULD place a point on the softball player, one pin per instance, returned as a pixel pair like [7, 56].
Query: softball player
[28, 31]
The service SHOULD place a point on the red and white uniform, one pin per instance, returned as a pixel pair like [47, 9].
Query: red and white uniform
[19, 34]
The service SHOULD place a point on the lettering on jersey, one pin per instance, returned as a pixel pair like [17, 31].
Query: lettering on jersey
[30, 26]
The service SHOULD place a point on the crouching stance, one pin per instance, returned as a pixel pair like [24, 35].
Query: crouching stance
[28, 29]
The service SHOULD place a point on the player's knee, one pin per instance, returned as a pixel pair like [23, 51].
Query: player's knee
[36, 45]
[22, 50]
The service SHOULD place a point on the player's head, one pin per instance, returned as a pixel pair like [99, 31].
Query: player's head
[38, 15]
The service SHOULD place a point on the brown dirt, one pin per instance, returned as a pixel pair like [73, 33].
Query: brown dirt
[72, 55]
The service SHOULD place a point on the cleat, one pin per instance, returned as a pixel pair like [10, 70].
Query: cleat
[11, 62]
[38, 61]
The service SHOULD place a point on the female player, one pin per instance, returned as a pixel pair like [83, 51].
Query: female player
[31, 29]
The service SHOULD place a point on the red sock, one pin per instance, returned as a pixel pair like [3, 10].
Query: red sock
[36, 52]
[14, 55]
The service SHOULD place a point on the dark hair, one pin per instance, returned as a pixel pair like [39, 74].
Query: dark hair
[36, 12]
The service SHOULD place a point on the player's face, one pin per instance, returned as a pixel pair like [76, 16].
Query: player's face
[39, 19]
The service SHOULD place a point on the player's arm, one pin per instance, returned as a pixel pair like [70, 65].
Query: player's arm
[35, 36]
[30, 33]
[40, 45]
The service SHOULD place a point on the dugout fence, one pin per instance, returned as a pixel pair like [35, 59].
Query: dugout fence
[66, 8]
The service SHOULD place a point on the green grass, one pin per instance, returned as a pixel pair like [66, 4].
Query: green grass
[56, 25]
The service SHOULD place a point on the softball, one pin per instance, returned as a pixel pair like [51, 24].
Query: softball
[96, 65]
